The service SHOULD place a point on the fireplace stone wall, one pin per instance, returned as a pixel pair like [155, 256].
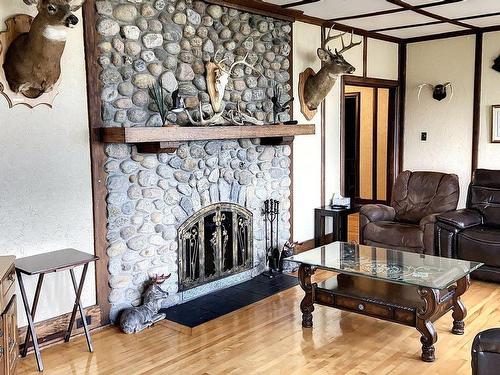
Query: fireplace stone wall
[169, 42]
[150, 196]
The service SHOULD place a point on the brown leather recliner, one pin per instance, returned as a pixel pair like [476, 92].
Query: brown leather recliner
[486, 352]
[408, 224]
[474, 232]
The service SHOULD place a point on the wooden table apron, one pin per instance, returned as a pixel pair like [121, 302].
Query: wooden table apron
[433, 304]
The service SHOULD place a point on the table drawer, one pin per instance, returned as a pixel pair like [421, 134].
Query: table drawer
[8, 286]
[363, 307]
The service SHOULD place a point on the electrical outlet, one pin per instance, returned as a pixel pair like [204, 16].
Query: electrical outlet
[423, 136]
[79, 321]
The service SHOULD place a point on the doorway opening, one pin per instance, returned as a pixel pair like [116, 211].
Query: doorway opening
[369, 147]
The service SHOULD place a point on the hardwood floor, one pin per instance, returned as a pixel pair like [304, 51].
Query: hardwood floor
[267, 338]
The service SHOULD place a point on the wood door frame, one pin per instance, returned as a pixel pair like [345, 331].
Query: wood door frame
[394, 142]
[357, 96]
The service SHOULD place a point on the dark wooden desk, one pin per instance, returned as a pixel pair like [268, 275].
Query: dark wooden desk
[55, 261]
[339, 216]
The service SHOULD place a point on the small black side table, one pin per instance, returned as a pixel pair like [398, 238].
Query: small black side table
[339, 216]
[55, 261]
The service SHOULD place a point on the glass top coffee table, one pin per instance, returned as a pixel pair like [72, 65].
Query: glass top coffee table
[398, 286]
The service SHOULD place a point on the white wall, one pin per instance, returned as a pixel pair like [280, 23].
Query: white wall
[449, 124]
[306, 149]
[489, 153]
[46, 198]
[382, 63]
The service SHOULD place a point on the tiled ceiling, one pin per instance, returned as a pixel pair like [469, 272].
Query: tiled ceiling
[405, 19]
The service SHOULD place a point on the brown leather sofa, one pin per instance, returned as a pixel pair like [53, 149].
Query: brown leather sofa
[473, 233]
[408, 223]
[486, 353]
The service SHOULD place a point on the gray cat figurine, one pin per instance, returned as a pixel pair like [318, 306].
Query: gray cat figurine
[135, 319]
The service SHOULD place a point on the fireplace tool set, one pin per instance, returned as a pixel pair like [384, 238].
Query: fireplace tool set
[273, 253]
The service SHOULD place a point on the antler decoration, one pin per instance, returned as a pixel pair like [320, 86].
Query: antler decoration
[160, 279]
[438, 91]
[330, 37]
[216, 119]
[238, 117]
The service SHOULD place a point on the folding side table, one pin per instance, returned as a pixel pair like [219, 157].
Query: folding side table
[55, 261]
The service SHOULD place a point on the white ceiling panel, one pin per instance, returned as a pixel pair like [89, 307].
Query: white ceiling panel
[485, 21]
[388, 20]
[328, 9]
[466, 8]
[281, 2]
[412, 32]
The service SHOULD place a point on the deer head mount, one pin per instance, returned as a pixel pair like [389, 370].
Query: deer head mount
[314, 87]
[438, 91]
[218, 75]
[32, 62]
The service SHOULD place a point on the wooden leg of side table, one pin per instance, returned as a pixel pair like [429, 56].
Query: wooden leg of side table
[31, 325]
[78, 305]
[424, 324]
[307, 304]
[32, 313]
[459, 310]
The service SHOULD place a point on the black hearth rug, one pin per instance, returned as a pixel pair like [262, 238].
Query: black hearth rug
[222, 302]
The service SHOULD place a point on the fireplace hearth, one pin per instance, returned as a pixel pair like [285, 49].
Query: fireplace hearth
[215, 242]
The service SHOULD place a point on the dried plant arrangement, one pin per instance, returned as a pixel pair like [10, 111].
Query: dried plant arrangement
[157, 93]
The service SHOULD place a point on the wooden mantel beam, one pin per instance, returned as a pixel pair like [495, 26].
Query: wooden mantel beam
[199, 133]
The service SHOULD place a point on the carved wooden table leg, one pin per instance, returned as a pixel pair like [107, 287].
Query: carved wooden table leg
[307, 304]
[424, 323]
[459, 310]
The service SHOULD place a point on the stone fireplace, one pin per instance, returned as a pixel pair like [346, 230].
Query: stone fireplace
[154, 198]
[215, 242]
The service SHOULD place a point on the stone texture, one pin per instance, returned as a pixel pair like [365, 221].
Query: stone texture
[149, 195]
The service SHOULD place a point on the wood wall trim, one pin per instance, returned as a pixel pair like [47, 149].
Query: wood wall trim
[375, 146]
[400, 129]
[365, 56]
[323, 139]
[52, 330]
[369, 82]
[260, 7]
[476, 119]
[97, 158]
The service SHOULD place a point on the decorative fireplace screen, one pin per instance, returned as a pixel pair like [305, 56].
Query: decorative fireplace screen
[215, 242]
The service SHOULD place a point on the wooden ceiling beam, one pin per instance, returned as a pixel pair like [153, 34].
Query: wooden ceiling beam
[299, 3]
[396, 10]
[452, 34]
[429, 14]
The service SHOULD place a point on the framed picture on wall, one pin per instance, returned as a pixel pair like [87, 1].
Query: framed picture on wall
[495, 124]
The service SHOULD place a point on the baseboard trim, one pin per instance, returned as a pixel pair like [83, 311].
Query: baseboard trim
[52, 330]
[310, 244]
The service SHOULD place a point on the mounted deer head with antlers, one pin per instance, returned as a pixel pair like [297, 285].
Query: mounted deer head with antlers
[314, 87]
[32, 63]
[218, 77]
